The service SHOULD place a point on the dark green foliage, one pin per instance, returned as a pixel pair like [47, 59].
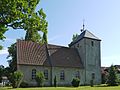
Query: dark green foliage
[75, 82]
[74, 37]
[1, 72]
[55, 81]
[40, 78]
[112, 77]
[16, 78]
[24, 84]
[91, 83]
[13, 54]
[1, 47]
[44, 39]
[104, 77]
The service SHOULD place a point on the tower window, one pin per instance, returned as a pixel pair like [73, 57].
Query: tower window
[92, 43]
[93, 75]
[78, 45]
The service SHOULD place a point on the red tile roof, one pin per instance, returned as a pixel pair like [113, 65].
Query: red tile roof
[30, 53]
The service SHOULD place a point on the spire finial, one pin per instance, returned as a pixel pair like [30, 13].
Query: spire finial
[83, 28]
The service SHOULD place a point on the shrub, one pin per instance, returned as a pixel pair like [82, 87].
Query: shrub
[91, 83]
[16, 78]
[75, 82]
[55, 82]
[112, 77]
[40, 78]
[24, 84]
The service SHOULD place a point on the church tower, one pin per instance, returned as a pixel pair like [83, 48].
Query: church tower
[88, 47]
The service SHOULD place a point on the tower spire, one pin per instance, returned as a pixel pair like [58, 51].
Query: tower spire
[83, 28]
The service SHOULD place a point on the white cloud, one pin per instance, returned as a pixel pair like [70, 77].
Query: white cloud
[4, 51]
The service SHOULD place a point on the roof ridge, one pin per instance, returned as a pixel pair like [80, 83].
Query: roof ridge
[85, 34]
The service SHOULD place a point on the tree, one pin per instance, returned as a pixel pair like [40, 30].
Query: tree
[55, 81]
[112, 77]
[13, 54]
[32, 33]
[75, 82]
[1, 72]
[40, 78]
[104, 77]
[21, 14]
[16, 78]
[1, 47]
[74, 37]
[44, 39]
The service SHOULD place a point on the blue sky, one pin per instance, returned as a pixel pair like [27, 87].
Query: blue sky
[65, 18]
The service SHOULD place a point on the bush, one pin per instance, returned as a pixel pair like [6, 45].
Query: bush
[16, 78]
[24, 84]
[112, 77]
[40, 78]
[91, 83]
[75, 82]
[55, 82]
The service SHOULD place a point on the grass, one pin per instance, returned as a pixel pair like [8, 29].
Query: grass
[66, 88]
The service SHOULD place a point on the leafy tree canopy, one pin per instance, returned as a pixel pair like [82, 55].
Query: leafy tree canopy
[21, 14]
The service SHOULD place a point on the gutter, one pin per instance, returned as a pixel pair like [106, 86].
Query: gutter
[49, 60]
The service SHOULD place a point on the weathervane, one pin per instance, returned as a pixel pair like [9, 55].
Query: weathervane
[83, 26]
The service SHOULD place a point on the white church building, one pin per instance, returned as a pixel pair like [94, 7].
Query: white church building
[82, 59]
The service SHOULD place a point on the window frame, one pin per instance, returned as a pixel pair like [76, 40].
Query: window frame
[62, 75]
[77, 74]
[93, 75]
[34, 73]
[46, 74]
[92, 43]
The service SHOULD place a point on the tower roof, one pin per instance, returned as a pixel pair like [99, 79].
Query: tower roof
[85, 34]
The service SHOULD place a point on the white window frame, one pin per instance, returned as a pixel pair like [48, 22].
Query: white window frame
[62, 75]
[33, 73]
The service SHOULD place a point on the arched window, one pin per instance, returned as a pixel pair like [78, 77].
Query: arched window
[46, 74]
[62, 75]
[77, 74]
[33, 73]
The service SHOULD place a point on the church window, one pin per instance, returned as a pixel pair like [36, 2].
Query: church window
[77, 74]
[46, 74]
[62, 75]
[78, 45]
[92, 43]
[33, 73]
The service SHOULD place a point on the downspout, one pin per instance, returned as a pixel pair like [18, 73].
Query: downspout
[49, 60]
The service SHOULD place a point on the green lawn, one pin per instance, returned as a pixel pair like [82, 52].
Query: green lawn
[65, 88]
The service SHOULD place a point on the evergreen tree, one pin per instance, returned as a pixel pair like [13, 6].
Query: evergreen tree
[13, 54]
[112, 77]
[74, 37]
